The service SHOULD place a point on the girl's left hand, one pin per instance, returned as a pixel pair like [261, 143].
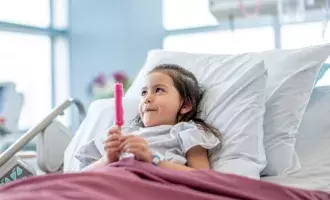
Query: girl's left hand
[137, 146]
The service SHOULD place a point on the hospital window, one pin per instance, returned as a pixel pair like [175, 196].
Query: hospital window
[26, 12]
[292, 37]
[61, 75]
[313, 35]
[29, 57]
[60, 20]
[185, 14]
[223, 42]
[25, 60]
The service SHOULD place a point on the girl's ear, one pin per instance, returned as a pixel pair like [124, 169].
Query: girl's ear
[186, 107]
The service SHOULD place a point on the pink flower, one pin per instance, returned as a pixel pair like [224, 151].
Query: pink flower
[100, 80]
[120, 77]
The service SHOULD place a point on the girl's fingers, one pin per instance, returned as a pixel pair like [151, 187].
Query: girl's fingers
[139, 146]
[114, 130]
[115, 143]
[112, 144]
[141, 155]
[114, 137]
[129, 136]
[133, 140]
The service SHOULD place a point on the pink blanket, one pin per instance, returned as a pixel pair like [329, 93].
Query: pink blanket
[130, 179]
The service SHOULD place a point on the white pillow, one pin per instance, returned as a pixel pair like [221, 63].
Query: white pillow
[100, 116]
[316, 122]
[234, 104]
[291, 76]
[312, 145]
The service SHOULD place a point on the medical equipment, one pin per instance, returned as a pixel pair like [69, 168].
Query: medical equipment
[291, 10]
[11, 103]
[224, 9]
[53, 139]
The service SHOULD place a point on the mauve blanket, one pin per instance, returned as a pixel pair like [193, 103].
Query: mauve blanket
[130, 179]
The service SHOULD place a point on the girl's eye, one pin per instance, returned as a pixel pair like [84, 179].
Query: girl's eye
[143, 93]
[159, 90]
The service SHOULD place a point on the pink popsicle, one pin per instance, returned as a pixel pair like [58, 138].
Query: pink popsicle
[119, 111]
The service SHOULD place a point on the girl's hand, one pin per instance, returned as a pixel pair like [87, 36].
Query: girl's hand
[112, 144]
[137, 146]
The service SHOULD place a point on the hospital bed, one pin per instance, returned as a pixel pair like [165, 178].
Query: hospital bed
[314, 132]
[312, 142]
[52, 140]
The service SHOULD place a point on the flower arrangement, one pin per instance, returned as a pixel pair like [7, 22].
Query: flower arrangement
[102, 86]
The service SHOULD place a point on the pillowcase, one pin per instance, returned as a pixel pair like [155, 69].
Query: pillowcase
[323, 70]
[315, 124]
[322, 77]
[100, 116]
[291, 77]
[234, 104]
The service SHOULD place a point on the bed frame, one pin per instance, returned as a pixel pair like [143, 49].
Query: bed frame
[52, 140]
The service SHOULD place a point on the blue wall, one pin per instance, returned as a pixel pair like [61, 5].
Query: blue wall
[110, 35]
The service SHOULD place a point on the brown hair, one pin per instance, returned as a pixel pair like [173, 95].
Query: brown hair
[190, 91]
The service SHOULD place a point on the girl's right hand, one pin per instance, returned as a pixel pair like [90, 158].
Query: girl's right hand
[112, 143]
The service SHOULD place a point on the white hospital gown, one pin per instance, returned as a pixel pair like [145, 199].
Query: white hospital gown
[170, 141]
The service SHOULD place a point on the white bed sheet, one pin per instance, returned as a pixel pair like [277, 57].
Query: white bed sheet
[313, 146]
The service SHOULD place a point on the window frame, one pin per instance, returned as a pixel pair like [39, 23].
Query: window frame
[52, 32]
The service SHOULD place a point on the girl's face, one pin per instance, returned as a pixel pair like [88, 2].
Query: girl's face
[160, 101]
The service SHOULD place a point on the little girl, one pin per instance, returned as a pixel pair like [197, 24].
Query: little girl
[167, 132]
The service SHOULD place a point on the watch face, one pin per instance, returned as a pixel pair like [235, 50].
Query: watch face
[17, 172]
[156, 160]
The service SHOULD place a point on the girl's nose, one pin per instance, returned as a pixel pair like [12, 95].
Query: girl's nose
[148, 98]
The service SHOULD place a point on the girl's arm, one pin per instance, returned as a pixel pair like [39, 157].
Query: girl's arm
[196, 159]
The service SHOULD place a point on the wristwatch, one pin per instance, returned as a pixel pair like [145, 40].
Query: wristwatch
[157, 159]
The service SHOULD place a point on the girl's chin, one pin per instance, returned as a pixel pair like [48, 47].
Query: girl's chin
[150, 122]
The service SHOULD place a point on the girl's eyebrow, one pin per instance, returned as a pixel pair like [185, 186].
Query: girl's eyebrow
[160, 85]
[157, 85]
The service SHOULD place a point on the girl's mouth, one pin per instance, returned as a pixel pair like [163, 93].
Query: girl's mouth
[150, 110]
